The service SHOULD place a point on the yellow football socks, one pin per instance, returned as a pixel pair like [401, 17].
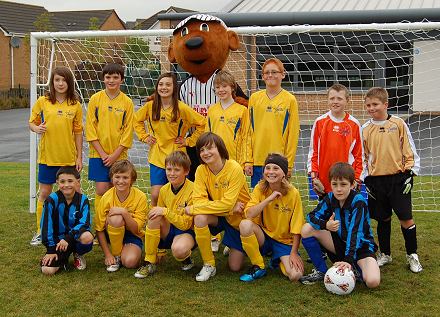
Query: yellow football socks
[203, 238]
[252, 249]
[152, 238]
[39, 213]
[116, 237]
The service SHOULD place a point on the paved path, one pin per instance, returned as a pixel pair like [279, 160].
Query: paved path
[14, 135]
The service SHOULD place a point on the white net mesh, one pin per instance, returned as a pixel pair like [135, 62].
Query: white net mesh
[404, 59]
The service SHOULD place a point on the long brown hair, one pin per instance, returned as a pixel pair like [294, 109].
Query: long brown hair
[71, 95]
[209, 138]
[157, 102]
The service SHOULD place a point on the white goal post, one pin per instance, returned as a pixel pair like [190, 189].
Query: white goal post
[402, 57]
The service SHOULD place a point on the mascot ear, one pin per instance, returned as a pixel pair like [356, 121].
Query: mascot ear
[234, 42]
[171, 56]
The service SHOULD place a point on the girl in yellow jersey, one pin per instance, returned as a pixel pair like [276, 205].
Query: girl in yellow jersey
[220, 193]
[109, 128]
[230, 120]
[167, 120]
[120, 218]
[57, 117]
[274, 220]
[274, 121]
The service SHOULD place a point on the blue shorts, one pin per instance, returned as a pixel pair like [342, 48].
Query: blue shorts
[174, 232]
[47, 174]
[231, 238]
[275, 248]
[157, 175]
[129, 237]
[257, 175]
[98, 172]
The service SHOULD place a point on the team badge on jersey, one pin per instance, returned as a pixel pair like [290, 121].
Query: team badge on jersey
[60, 112]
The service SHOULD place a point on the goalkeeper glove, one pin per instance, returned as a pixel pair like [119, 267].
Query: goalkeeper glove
[408, 182]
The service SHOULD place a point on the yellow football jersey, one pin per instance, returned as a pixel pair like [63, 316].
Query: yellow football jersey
[110, 121]
[63, 120]
[218, 194]
[282, 217]
[175, 203]
[232, 125]
[166, 131]
[274, 125]
[136, 204]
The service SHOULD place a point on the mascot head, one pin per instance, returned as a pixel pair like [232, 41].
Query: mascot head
[201, 45]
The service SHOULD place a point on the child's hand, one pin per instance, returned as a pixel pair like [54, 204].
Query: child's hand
[318, 187]
[48, 259]
[151, 140]
[187, 210]
[249, 170]
[110, 159]
[116, 211]
[79, 164]
[155, 212]
[342, 265]
[62, 245]
[332, 224]
[109, 260]
[181, 141]
[274, 196]
[238, 208]
[296, 262]
[40, 129]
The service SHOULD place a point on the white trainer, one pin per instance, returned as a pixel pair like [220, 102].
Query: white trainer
[114, 267]
[383, 259]
[79, 262]
[36, 239]
[215, 244]
[187, 264]
[226, 251]
[205, 273]
[414, 263]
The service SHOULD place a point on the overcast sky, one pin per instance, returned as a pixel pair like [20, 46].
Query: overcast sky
[128, 10]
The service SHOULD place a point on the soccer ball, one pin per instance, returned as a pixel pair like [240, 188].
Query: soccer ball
[339, 282]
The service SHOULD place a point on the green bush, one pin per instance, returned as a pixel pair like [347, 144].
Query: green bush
[14, 103]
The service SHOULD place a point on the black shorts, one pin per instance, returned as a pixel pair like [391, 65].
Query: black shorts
[387, 191]
[362, 253]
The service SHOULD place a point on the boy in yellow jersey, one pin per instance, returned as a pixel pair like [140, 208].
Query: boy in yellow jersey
[230, 120]
[274, 121]
[57, 117]
[168, 226]
[273, 225]
[220, 193]
[120, 218]
[109, 128]
[391, 162]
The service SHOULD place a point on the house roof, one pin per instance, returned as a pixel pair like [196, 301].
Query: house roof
[80, 20]
[149, 22]
[10, 11]
[243, 6]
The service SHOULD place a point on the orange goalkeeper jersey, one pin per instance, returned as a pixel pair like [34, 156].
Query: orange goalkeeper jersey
[332, 141]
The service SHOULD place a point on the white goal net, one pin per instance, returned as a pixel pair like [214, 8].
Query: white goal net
[402, 57]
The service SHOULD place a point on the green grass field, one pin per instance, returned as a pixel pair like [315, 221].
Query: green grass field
[170, 292]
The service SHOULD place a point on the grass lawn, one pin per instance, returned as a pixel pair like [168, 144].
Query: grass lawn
[170, 292]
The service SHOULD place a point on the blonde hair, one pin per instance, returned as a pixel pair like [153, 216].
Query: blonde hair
[285, 186]
[124, 166]
[338, 88]
[377, 92]
[226, 77]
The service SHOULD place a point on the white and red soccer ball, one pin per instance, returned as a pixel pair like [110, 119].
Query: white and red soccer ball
[339, 282]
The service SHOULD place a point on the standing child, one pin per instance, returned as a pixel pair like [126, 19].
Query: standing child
[220, 194]
[58, 118]
[335, 137]
[341, 224]
[65, 224]
[168, 120]
[120, 218]
[391, 162]
[168, 226]
[274, 121]
[276, 210]
[109, 128]
[230, 120]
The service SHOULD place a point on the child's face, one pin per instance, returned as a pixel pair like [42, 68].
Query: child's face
[176, 174]
[209, 154]
[341, 188]
[60, 84]
[165, 87]
[223, 91]
[273, 174]
[272, 76]
[112, 82]
[337, 102]
[67, 184]
[376, 108]
[122, 181]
